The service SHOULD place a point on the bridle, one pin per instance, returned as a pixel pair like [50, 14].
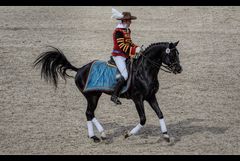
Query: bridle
[168, 69]
[157, 65]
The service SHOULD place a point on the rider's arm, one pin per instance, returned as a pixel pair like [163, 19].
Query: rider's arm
[125, 47]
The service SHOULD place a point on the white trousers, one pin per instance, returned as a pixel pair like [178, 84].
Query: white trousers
[121, 65]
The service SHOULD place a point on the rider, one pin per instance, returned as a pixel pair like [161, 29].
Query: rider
[123, 48]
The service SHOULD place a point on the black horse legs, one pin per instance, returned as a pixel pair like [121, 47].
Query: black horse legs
[92, 100]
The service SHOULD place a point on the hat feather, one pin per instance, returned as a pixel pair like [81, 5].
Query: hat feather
[116, 14]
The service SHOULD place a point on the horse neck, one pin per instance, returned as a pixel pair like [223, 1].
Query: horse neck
[154, 54]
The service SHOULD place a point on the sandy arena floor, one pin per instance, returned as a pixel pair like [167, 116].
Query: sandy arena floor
[201, 106]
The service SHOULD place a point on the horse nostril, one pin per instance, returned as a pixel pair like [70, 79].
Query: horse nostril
[179, 70]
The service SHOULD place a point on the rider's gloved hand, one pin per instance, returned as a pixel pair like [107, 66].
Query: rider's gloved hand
[138, 49]
[136, 55]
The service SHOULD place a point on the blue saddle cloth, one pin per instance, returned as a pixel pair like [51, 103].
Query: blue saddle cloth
[102, 77]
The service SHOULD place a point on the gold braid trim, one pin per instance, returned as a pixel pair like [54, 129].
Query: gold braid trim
[125, 50]
[121, 45]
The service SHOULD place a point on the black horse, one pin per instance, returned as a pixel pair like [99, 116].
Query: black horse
[144, 82]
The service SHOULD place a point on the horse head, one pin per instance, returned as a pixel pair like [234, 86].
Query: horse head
[163, 54]
[170, 57]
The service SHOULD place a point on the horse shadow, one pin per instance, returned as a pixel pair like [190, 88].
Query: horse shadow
[176, 130]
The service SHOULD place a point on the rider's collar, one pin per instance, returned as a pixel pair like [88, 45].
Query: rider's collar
[121, 25]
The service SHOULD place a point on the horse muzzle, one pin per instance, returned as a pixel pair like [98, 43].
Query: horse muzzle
[177, 69]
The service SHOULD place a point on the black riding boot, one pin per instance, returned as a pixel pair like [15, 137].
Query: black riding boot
[117, 90]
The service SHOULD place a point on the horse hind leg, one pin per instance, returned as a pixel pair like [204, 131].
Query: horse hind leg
[99, 128]
[92, 100]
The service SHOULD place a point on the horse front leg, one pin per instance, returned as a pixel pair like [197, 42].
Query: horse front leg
[154, 104]
[140, 109]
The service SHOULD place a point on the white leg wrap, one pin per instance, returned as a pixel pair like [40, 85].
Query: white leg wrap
[162, 125]
[90, 128]
[136, 129]
[97, 124]
[103, 135]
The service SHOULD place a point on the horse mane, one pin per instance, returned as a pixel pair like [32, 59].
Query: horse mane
[153, 45]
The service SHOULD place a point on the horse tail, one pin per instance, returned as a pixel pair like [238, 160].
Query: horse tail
[54, 63]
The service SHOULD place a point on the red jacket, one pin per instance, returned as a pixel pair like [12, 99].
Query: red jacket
[123, 45]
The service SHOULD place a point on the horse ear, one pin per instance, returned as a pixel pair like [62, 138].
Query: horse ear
[176, 43]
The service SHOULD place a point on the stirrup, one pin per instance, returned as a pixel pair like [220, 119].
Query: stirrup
[115, 100]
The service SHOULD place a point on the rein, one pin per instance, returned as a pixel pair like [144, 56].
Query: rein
[169, 70]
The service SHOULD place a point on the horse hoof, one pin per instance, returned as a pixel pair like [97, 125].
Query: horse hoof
[166, 137]
[95, 139]
[127, 134]
[103, 138]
